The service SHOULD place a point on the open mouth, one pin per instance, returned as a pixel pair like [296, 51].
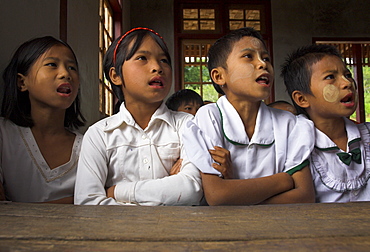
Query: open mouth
[157, 83]
[348, 99]
[64, 89]
[263, 79]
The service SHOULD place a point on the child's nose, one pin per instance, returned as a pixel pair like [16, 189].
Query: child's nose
[157, 68]
[64, 73]
[347, 83]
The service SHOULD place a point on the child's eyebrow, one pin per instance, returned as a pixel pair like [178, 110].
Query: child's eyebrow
[148, 52]
[253, 50]
[330, 71]
[58, 59]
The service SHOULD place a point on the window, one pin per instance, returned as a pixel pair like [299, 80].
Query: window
[199, 19]
[201, 23]
[196, 75]
[356, 55]
[239, 18]
[110, 24]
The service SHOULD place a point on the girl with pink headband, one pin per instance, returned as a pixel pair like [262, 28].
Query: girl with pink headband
[127, 158]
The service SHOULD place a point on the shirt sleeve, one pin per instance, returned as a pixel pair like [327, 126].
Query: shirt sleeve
[202, 134]
[92, 171]
[300, 144]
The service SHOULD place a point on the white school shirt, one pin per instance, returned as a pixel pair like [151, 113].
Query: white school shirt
[281, 142]
[334, 180]
[24, 172]
[117, 151]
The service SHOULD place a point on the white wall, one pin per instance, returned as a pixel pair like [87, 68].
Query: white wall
[83, 37]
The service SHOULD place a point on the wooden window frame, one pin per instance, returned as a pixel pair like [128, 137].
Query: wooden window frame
[116, 14]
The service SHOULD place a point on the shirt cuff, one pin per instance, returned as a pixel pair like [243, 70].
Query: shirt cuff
[125, 192]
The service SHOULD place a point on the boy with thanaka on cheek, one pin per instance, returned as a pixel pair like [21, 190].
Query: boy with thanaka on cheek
[268, 151]
[322, 87]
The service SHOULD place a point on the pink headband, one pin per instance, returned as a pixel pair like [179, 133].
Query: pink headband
[127, 33]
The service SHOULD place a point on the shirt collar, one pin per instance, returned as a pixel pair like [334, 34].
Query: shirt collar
[324, 143]
[125, 117]
[233, 127]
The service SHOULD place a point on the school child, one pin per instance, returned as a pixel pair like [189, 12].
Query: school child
[284, 105]
[268, 151]
[127, 158]
[322, 87]
[185, 100]
[40, 115]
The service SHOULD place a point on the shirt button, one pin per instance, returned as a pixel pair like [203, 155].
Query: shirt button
[143, 137]
[145, 161]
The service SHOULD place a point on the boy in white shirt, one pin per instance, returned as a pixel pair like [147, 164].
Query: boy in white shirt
[268, 152]
[322, 87]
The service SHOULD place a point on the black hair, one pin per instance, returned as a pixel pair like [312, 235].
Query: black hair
[183, 96]
[297, 69]
[123, 53]
[220, 50]
[16, 105]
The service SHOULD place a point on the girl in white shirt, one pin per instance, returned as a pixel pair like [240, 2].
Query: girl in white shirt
[39, 146]
[268, 150]
[322, 87]
[127, 158]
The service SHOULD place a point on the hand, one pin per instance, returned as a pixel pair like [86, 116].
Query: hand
[176, 167]
[223, 162]
[110, 192]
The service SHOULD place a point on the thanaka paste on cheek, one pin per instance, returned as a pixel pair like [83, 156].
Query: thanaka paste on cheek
[330, 93]
[241, 72]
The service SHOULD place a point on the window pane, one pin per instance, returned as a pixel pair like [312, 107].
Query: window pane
[207, 25]
[209, 93]
[234, 25]
[236, 14]
[190, 25]
[205, 74]
[192, 73]
[190, 13]
[252, 14]
[255, 24]
[207, 13]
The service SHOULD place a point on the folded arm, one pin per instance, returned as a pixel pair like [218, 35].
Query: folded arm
[220, 191]
[303, 191]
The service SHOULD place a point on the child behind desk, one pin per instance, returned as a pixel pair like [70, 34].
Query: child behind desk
[269, 153]
[322, 87]
[127, 158]
[40, 112]
[185, 100]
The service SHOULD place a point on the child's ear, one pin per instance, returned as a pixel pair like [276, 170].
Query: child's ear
[218, 76]
[300, 99]
[115, 78]
[21, 82]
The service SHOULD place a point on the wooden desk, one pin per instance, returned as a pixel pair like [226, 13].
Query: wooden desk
[298, 227]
